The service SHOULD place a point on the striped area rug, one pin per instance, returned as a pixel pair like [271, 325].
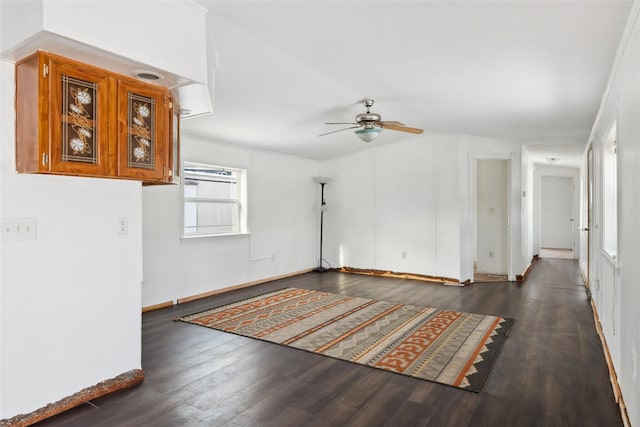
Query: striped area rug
[444, 346]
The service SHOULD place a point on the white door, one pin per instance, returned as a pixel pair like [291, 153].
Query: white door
[556, 212]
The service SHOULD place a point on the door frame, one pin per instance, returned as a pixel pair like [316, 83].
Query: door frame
[473, 158]
[572, 177]
[563, 172]
[588, 213]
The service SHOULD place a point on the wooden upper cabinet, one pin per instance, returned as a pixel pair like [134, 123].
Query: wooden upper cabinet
[75, 119]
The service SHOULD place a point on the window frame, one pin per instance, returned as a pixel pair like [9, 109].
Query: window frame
[240, 200]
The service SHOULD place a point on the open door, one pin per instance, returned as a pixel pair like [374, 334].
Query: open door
[589, 217]
[491, 255]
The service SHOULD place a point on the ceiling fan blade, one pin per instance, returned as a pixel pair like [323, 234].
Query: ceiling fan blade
[339, 123]
[391, 122]
[339, 130]
[403, 128]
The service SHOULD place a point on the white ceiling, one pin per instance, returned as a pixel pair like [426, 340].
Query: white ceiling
[526, 71]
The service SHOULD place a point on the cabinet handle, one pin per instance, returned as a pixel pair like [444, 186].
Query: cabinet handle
[45, 159]
[45, 70]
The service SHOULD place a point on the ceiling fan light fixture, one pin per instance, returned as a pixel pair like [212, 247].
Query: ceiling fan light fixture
[368, 134]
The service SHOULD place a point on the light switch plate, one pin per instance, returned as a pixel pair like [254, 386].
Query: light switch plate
[123, 225]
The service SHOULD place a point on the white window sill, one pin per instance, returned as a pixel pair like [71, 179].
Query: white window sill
[198, 236]
[611, 256]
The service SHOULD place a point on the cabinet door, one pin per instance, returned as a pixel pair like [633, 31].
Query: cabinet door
[78, 119]
[142, 131]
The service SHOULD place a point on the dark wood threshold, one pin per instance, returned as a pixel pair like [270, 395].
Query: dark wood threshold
[396, 275]
[121, 382]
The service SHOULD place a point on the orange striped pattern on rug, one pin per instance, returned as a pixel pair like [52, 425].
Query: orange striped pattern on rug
[444, 346]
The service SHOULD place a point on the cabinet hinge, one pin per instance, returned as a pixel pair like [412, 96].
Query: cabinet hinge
[45, 70]
[45, 159]
[170, 104]
[170, 173]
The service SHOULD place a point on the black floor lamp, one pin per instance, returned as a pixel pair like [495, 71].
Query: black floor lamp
[323, 207]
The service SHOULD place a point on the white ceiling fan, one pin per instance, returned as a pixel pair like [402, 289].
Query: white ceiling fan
[372, 124]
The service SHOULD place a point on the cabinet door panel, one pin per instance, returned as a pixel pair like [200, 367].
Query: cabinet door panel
[78, 120]
[142, 132]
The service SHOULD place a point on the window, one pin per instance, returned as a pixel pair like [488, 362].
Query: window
[214, 200]
[610, 194]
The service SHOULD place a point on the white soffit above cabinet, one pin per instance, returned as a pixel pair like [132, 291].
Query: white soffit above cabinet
[166, 38]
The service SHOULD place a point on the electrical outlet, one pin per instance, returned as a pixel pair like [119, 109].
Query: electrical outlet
[123, 225]
[491, 254]
[404, 254]
[18, 229]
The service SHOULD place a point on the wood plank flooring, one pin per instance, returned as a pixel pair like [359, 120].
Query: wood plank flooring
[551, 370]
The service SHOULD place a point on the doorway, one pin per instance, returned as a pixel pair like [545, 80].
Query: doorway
[557, 216]
[589, 216]
[491, 255]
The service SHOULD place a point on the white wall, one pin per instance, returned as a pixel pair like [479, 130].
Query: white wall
[383, 203]
[173, 43]
[92, 23]
[176, 29]
[614, 285]
[282, 221]
[413, 197]
[70, 299]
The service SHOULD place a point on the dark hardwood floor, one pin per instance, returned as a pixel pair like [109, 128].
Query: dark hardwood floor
[551, 370]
